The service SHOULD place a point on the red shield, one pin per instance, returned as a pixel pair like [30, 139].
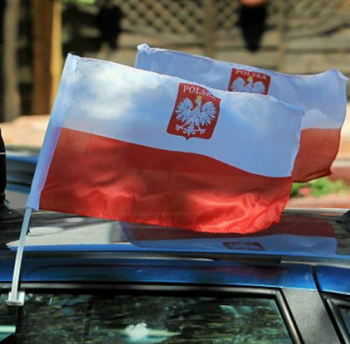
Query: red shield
[195, 112]
[247, 81]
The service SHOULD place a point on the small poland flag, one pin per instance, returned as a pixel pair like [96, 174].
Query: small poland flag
[137, 146]
[323, 96]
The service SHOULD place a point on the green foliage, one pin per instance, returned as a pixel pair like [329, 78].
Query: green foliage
[319, 187]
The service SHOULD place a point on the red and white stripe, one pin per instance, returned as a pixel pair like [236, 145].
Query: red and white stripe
[107, 153]
[323, 96]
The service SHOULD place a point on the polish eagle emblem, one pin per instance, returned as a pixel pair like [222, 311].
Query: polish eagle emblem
[248, 86]
[194, 117]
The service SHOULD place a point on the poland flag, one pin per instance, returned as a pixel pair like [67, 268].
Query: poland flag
[323, 96]
[136, 146]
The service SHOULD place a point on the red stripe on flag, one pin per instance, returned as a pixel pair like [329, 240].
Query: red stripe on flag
[318, 149]
[102, 177]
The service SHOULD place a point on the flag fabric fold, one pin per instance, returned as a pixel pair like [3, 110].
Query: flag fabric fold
[137, 146]
[323, 96]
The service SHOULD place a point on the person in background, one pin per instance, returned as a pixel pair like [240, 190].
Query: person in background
[108, 22]
[6, 213]
[252, 22]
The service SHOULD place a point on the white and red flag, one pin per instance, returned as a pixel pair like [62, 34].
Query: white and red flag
[323, 96]
[137, 146]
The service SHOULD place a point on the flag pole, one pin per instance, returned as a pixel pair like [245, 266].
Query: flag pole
[16, 298]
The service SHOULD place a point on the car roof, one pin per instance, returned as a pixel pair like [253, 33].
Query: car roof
[300, 234]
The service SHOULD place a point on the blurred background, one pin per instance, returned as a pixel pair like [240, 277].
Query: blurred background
[289, 36]
[296, 36]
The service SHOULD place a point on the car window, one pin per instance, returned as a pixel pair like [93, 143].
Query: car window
[70, 318]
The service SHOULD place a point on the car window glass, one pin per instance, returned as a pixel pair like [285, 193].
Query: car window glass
[145, 319]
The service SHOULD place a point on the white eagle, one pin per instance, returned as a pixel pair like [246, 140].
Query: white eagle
[194, 118]
[240, 85]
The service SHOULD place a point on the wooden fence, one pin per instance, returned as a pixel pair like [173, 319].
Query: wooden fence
[188, 16]
[210, 26]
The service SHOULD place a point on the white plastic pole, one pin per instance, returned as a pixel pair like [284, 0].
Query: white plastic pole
[16, 298]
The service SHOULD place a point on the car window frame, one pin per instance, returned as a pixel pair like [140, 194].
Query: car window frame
[333, 303]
